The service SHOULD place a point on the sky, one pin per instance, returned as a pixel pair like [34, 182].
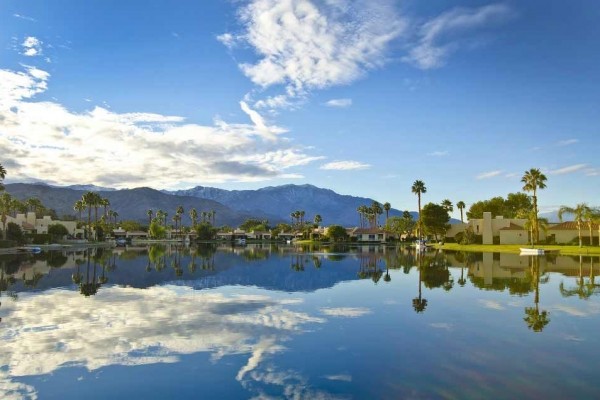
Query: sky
[359, 97]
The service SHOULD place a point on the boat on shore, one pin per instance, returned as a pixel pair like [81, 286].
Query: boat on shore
[527, 251]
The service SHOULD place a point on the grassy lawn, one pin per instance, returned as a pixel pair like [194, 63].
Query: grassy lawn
[515, 248]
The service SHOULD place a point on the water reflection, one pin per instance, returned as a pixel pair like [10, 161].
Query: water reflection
[259, 306]
[536, 320]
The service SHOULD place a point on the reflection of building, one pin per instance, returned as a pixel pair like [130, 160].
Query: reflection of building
[489, 267]
[30, 223]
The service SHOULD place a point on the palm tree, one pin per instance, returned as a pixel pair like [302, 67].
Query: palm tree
[213, 213]
[377, 211]
[534, 180]
[194, 217]
[318, 219]
[447, 204]
[590, 216]
[302, 213]
[387, 207]
[2, 176]
[418, 188]
[149, 214]
[579, 212]
[5, 207]
[104, 202]
[79, 207]
[88, 199]
[461, 206]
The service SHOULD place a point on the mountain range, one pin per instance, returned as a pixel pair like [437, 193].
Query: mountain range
[274, 203]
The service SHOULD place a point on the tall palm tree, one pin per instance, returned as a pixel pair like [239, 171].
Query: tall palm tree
[88, 199]
[2, 176]
[213, 213]
[419, 188]
[149, 214]
[193, 217]
[534, 180]
[5, 207]
[104, 202]
[387, 207]
[318, 219]
[79, 206]
[591, 216]
[579, 213]
[301, 214]
[461, 206]
[377, 211]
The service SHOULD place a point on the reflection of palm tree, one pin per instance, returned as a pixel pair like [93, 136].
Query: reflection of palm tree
[76, 277]
[89, 288]
[462, 280]
[535, 319]
[583, 290]
[419, 304]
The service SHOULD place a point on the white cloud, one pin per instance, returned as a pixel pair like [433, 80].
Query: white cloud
[441, 325]
[132, 149]
[348, 312]
[487, 175]
[304, 45]
[441, 36]
[567, 142]
[491, 304]
[26, 18]
[345, 165]
[128, 327]
[340, 377]
[568, 170]
[438, 153]
[32, 46]
[340, 103]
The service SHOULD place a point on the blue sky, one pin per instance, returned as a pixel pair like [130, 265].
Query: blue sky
[359, 97]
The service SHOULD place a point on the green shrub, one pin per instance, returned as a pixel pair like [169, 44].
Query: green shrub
[5, 244]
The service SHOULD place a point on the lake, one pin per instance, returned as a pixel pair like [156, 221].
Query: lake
[268, 321]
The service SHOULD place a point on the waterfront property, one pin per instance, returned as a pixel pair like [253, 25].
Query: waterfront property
[497, 230]
[29, 223]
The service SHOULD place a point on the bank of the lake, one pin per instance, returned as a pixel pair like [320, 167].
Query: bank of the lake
[516, 248]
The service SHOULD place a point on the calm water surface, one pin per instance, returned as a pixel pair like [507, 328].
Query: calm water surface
[284, 322]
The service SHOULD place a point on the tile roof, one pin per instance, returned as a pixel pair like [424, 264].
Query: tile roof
[572, 225]
[513, 227]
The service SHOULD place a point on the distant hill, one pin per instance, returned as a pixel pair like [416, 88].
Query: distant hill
[130, 203]
[282, 200]
[274, 203]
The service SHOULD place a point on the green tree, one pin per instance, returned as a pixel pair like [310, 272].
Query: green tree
[447, 204]
[57, 231]
[205, 231]
[419, 188]
[130, 225]
[387, 207]
[253, 224]
[79, 206]
[157, 230]
[193, 217]
[495, 205]
[400, 225]
[461, 206]
[532, 181]
[318, 219]
[5, 208]
[2, 176]
[516, 203]
[580, 212]
[435, 218]
[336, 233]
[149, 213]
[14, 232]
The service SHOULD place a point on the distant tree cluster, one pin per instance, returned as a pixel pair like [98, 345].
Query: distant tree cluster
[516, 205]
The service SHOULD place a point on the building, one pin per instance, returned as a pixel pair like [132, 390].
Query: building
[495, 230]
[29, 223]
[370, 235]
[568, 232]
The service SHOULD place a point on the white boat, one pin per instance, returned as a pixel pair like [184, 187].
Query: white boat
[240, 241]
[420, 245]
[526, 251]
